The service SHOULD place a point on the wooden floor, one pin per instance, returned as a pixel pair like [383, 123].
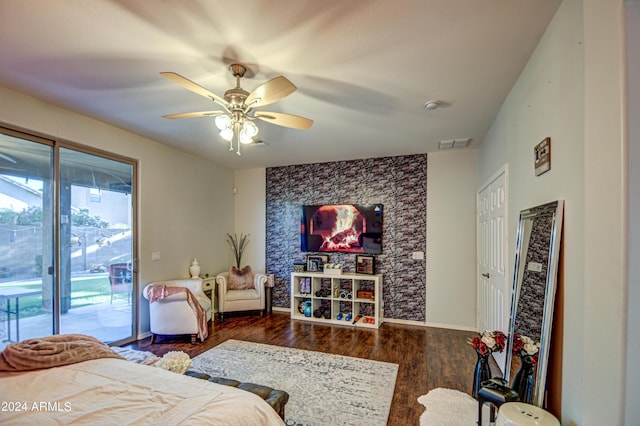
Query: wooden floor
[428, 358]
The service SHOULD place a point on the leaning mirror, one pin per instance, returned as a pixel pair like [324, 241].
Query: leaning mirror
[533, 297]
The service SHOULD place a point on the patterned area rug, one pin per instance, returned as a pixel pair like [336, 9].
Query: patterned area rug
[140, 357]
[448, 407]
[324, 389]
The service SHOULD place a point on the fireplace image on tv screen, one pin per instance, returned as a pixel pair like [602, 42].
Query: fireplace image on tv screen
[346, 228]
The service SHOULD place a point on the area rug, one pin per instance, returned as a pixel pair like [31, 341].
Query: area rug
[448, 407]
[133, 355]
[324, 389]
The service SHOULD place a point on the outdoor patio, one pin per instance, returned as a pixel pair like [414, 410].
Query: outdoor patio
[105, 321]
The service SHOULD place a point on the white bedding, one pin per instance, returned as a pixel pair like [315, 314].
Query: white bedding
[115, 392]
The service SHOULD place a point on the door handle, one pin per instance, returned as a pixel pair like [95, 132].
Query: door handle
[486, 275]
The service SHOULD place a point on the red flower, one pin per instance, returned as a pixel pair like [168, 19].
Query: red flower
[488, 342]
[518, 347]
[518, 344]
[475, 343]
[483, 350]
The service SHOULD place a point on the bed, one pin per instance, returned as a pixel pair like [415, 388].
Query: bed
[113, 391]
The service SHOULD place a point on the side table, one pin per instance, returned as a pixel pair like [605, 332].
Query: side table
[16, 293]
[268, 293]
[209, 284]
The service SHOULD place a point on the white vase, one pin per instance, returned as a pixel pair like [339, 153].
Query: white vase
[194, 269]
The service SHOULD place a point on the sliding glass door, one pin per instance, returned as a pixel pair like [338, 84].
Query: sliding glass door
[27, 290]
[96, 245]
[67, 241]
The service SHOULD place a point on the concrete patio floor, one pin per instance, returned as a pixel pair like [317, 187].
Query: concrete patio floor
[107, 322]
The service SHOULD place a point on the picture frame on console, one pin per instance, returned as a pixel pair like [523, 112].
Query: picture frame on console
[365, 264]
[315, 262]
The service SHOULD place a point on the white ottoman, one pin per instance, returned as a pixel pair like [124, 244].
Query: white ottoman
[521, 414]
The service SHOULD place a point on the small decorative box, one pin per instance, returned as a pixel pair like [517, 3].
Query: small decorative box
[365, 294]
[332, 268]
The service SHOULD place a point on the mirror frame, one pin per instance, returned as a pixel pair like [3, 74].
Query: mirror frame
[554, 209]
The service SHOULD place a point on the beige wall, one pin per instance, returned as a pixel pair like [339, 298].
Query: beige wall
[570, 91]
[548, 101]
[179, 194]
[451, 239]
[605, 227]
[251, 213]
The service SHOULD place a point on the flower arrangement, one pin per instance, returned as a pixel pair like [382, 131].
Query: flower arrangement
[176, 361]
[488, 342]
[525, 346]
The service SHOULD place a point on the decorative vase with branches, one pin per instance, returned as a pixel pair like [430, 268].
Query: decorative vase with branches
[238, 244]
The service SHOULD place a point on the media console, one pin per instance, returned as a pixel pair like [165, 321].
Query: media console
[343, 299]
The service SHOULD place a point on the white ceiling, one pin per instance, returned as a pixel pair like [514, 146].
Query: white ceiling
[363, 68]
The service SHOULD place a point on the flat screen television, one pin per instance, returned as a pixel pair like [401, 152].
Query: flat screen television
[345, 228]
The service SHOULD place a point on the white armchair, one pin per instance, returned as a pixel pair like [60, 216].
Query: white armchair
[172, 315]
[229, 300]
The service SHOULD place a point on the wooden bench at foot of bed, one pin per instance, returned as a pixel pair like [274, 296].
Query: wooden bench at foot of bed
[277, 399]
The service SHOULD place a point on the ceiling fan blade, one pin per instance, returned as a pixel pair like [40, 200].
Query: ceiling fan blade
[194, 87]
[286, 120]
[270, 92]
[193, 114]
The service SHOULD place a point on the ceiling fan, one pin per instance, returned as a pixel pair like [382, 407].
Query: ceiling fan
[239, 106]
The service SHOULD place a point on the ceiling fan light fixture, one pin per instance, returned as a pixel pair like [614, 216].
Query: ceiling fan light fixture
[236, 121]
[227, 134]
[250, 128]
[244, 139]
[248, 131]
[223, 121]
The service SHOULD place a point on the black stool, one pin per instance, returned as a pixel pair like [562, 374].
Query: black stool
[495, 392]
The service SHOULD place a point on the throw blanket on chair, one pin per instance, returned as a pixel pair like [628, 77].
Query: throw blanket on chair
[53, 351]
[159, 292]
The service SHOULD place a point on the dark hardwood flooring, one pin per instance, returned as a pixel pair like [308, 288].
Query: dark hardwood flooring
[428, 358]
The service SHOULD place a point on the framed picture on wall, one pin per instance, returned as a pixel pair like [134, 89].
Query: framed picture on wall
[315, 262]
[365, 264]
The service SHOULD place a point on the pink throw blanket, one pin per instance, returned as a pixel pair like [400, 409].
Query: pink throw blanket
[159, 292]
[53, 351]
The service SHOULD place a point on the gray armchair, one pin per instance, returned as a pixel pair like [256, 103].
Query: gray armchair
[231, 300]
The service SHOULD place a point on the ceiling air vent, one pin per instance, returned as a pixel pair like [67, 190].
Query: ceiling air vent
[454, 143]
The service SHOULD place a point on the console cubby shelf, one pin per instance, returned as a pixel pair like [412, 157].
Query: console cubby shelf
[330, 295]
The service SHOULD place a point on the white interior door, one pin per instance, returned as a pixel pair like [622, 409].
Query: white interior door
[493, 297]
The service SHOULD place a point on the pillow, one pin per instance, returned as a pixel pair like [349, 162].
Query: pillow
[240, 279]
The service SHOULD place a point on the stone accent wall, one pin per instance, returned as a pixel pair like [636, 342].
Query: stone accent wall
[399, 183]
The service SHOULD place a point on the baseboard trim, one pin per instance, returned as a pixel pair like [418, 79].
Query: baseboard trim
[450, 326]
[407, 322]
